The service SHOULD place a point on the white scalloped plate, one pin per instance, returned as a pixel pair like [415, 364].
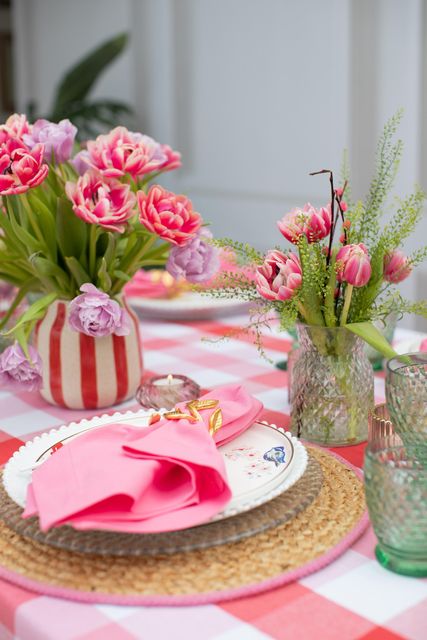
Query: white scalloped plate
[261, 463]
[187, 306]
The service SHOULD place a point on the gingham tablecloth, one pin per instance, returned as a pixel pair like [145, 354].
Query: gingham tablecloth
[352, 598]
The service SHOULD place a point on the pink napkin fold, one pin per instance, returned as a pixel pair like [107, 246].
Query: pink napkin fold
[142, 480]
[229, 264]
[152, 284]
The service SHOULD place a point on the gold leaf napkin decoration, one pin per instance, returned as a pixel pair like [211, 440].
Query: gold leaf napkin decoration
[193, 415]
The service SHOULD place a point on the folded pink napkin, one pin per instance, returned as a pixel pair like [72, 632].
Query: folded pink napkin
[152, 284]
[230, 265]
[144, 480]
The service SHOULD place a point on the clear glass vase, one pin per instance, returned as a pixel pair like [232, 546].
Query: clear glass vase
[332, 387]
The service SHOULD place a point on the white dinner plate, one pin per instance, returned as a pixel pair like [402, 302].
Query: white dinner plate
[187, 306]
[261, 463]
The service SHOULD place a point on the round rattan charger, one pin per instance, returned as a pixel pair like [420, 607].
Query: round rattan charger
[304, 544]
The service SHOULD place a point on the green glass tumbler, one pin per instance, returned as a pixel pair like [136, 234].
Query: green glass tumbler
[396, 495]
[406, 396]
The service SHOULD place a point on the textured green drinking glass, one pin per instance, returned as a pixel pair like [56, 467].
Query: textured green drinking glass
[396, 495]
[406, 395]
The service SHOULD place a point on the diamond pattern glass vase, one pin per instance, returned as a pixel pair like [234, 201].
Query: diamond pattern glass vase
[332, 387]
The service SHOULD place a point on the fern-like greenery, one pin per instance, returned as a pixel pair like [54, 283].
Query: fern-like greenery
[245, 251]
[387, 163]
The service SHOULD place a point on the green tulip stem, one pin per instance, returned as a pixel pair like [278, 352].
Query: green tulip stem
[93, 238]
[302, 310]
[346, 307]
[32, 219]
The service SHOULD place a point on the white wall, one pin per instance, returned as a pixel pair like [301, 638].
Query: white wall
[255, 93]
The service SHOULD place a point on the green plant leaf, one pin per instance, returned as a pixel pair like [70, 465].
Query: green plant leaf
[79, 274]
[104, 280]
[22, 292]
[370, 334]
[70, 230]
[120, 275]
[47, 222]
[79, 80]
[29, 244]
[34, 312]
[51, 270]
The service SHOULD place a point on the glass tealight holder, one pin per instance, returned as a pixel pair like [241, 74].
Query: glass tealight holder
[396, 495]
[165, 392]
[406, 396]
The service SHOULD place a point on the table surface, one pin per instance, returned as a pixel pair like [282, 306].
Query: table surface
[351, 598]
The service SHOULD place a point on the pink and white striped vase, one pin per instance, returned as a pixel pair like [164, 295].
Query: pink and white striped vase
[82, 372]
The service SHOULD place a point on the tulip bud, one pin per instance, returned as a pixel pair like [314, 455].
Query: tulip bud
[353, 265]
[315, 224]
[279, 276]
[396, 267]
[346, 224]
[339, 192]
[343, 205]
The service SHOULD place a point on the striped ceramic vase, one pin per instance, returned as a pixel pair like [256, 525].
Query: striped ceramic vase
[82, 372]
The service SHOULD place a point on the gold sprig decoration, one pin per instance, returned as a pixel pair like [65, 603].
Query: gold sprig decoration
[193, 415]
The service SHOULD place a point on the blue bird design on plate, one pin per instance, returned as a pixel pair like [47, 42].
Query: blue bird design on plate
[276, 455]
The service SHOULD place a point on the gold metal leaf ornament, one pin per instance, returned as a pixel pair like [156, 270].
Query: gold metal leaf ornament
[215, 421]
[191, 406]
[178, 415]
[204, 404]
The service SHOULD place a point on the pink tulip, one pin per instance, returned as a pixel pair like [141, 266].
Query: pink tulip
[100, 200]
[15, 127]
[353, 265]
[173, 158]
[396, 267]
[122, 151]
[20, 168]
[168, 215]
[315, 224]
[279, 277]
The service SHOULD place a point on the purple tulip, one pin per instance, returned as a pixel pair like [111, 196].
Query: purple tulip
[96, 314]
[81, 161]
[196, 261]
[57, 138]
[17, 373]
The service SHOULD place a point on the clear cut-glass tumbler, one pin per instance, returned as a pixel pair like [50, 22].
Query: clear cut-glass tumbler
[396, 495]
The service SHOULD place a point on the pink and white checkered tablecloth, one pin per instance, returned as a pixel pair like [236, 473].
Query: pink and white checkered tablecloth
[351, 598]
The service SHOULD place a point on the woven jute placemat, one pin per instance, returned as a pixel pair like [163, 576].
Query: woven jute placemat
[307, 542]
[110, 543]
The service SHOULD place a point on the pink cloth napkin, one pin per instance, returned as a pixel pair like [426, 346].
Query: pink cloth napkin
[229, 264]
[142, 480]
[151, 284]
